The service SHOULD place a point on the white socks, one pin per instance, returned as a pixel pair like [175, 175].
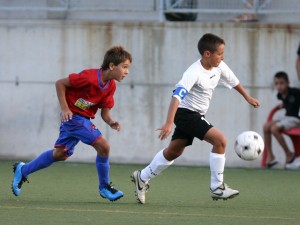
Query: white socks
[158, 164]
[217, 164]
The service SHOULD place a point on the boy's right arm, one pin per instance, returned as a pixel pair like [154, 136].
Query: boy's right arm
[166, 129]
[61, 86]
[252, 101]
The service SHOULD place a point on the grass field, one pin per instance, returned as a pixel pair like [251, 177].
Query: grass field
[66, 193]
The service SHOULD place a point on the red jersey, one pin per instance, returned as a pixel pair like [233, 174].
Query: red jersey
[88, 93]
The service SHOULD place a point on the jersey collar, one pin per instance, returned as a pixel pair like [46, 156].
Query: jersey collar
[102, 87]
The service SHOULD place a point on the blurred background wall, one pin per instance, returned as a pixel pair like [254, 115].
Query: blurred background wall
[42, 41]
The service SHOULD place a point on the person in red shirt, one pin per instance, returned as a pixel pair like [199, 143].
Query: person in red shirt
[80, 96]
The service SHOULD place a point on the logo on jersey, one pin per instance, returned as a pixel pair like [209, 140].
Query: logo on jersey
[212, 76]
[83, 104]
[203, 118]
[93, 127]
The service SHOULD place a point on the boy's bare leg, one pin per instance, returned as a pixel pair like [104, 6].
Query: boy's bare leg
[268, 141]
[276, 131]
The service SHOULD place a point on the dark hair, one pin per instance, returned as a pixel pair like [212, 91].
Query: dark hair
[115, 55]
[209, 42]
[282, 75]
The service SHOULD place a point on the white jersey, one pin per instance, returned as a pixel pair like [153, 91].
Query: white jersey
[200, 84]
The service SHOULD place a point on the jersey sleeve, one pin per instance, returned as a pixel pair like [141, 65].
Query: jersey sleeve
[79, 80]
[186, 83]
[228, 78]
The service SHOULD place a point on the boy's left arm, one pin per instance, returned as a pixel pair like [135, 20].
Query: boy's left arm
[105, 114]
[252, 101]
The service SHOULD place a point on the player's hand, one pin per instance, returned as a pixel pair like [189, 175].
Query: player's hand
[115, 125]
[254, 102]
[66, 115]
[165, 131]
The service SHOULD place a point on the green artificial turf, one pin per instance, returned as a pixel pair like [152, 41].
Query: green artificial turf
[67, 193]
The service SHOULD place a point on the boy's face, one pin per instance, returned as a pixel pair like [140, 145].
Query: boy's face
[215, 58]
[281, 85]
[120, 71]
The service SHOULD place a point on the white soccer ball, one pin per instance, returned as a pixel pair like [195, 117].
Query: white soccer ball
[249, 145]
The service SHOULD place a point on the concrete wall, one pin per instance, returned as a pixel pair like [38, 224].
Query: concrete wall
[34, 54]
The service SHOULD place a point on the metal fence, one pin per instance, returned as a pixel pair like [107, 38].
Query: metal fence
[149, 10]
[256, 8]
[233, 6]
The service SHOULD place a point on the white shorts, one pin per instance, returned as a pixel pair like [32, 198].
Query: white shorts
[287, 122]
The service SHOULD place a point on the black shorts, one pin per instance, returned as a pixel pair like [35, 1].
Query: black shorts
[190, 124]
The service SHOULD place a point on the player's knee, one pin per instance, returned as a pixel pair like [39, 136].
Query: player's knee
[61, 154]
[275, 129]
[105, 150]
[102, 147]
[220, 143]
[68, 153]
[177, 154]
[171, 153]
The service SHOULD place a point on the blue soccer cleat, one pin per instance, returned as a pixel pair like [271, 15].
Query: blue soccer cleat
[19, 179]
[110, 193]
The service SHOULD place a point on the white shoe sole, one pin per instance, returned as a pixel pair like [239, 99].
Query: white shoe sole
[134, 179]
[216, 198]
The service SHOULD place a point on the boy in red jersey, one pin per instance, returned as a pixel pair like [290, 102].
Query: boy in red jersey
[80, 96]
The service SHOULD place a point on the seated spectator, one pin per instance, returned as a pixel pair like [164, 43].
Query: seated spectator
[290, 98]
[247, 17]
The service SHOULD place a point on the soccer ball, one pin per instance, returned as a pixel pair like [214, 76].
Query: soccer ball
[249, 145]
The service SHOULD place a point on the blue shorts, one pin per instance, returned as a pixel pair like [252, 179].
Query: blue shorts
[77, 129]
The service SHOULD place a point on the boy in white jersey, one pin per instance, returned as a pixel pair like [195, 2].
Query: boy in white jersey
[188, 106]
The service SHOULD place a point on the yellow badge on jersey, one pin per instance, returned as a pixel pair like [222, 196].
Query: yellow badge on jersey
[83, 104]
